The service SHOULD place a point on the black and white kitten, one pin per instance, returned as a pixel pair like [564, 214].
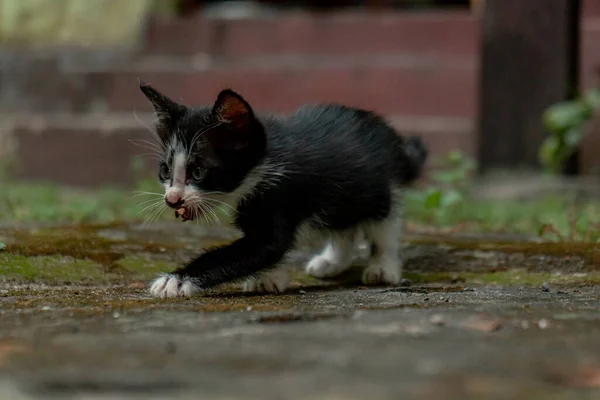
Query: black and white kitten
[327, 168]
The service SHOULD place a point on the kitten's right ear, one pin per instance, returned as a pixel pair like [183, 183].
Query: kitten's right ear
[166, 109]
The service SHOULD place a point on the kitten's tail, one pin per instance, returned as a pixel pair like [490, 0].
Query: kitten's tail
[412, 160]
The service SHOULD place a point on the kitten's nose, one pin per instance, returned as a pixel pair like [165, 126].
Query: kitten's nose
[174, 204]
[173, 199]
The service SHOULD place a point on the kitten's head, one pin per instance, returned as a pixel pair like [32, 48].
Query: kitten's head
[207, 151]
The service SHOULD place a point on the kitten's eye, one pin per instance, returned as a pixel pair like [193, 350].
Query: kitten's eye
[198, 174]
[164, 171]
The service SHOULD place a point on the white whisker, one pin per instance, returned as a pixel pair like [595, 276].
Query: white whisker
[215, 202]
[141, 203]
[209, 213]
[152, 156]
[204, 216]
[214, 215]
[138, 193]
[160, 213]
[147, 127]
[155, 214]
[199, 209]
[145, 202]
[150, 207]
[195, 215]
[147, 145]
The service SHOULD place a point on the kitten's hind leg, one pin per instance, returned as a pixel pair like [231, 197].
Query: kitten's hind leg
[335, 258]
[385, 263]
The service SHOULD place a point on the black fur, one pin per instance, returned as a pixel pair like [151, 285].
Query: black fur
[327, 165]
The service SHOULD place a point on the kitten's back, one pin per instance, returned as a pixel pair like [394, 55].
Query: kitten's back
[353, 141]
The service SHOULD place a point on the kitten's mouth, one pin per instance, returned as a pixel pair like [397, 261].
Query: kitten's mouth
[185, 214]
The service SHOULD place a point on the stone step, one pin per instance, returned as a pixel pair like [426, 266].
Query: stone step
[92, 149]
[443, 32]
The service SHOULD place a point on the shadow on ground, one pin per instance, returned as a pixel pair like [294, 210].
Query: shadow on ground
[485, 317]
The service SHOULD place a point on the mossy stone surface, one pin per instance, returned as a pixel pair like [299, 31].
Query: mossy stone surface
[484, 317]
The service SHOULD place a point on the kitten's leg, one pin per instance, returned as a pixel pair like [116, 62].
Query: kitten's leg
[334, 259]
[385, 263]
[274, 281]
[243, 258]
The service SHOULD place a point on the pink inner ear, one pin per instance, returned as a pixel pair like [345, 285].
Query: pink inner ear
[234, 110]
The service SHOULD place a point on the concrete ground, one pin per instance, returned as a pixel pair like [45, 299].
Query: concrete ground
[479, 318]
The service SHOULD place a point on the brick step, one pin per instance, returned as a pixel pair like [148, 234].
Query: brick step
[94, 149]
[308, 33]
[410, 86]
[389, 84]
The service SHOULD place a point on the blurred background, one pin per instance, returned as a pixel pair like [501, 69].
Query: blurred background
[501, 90]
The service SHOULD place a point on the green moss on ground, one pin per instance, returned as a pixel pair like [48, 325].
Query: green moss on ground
[81, 255]
[51, 270]
[58, 269]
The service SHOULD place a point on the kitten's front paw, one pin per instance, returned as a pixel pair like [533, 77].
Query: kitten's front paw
[275, 281]
[170, 285]
[383, 273]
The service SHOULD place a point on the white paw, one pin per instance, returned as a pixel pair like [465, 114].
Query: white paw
[173, 286]
[383, 273]
[323, 267]
[275, 281]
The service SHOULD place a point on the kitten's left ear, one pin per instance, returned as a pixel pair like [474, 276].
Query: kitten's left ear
[166, 108]
[231, 107]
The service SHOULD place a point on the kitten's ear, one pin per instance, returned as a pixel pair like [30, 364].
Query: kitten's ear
[166, 108]
[231, 107]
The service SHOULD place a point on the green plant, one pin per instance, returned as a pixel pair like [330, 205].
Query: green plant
[565, 121]
[451, 180]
